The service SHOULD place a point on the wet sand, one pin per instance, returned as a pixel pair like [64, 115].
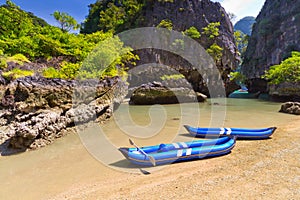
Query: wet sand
[263, 169]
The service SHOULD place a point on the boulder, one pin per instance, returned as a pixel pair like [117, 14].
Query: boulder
[290, 108]
[156, 93]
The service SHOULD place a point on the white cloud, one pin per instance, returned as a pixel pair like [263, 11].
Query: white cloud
[242, 8]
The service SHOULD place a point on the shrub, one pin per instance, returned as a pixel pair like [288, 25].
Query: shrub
[172, 77]
[18, 58]
[238, 77]
[3, 63]
[165, 23]
[51, 72]
[17, 73]
[287, 71]
[192, 32]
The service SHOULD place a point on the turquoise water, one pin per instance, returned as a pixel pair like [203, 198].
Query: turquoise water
[51, 170]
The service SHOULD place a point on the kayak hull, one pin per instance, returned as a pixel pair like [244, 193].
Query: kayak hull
[176, 152]
[240, 133]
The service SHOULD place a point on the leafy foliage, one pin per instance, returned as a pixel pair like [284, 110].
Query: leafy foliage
[287, 71]
[192, 32]
[211, 30]
[108, 58]
[67, 71]
[172, 77]
[166, 23]
[238, 77]
[241, 40]
[113, 15]
[22, 36]
[18, 58]
[215, 51]
[66, 21]
[17, 73]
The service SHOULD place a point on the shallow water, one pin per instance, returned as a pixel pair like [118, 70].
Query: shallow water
[51, 170]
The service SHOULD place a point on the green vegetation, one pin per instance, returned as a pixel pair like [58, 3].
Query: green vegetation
[67, 71]
[287, 71]
[238, 77]
[215, 51]
[241, 40]
[24, 37]
[172, 77]
[109, 58]
[17, 73]
[192, 32]
[211, 30]
[113, 15]
[17, 58]
[66, 21]
[166, 23]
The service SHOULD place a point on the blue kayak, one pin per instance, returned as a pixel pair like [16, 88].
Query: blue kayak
[181, 151]
[241, 133]
[243, 95]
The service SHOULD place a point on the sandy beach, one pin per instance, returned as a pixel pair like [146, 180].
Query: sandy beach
[266, 169]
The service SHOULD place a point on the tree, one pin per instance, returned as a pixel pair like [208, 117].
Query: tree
[241, 41]
[66, 21]
[215, 51]
[231, 16]
[287, 71]
[211, 30]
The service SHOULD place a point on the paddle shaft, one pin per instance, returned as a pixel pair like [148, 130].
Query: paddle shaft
[152, 160]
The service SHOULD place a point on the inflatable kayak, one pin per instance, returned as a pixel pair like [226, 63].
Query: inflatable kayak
[243, 95]
[182, 151]
[242, 133]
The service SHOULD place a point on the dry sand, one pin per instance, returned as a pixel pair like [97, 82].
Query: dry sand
[265, 169]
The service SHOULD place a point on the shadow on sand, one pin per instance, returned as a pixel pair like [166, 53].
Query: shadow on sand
[5, 150]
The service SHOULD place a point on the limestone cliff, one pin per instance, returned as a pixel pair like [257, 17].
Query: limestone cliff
[275, 34]
[182, 14]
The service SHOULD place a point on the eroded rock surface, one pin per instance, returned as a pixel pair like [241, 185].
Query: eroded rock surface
[35, 110]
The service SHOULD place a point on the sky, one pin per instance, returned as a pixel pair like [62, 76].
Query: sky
[242, 8]
[79, 8]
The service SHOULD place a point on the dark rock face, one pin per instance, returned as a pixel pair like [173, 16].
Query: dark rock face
[275, 34]
[285, 92]
[2, 80]
[290, 108]
[257, 85]
[36, 110]
[156, 93]
[183, 15]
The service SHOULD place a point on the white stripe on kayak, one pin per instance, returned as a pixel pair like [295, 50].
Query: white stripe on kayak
[176, 145]
[179, 153]
[184, 145]
[222, 131]
[228, 131]
[188, 151]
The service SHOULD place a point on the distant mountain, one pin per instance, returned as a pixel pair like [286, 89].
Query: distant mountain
[245, 25]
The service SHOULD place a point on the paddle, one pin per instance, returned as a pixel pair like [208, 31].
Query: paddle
[152, 160]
